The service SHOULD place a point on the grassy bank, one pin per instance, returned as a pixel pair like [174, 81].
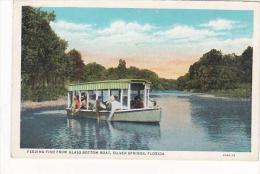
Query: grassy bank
[243, 91]
[237, 93]
[43, 104]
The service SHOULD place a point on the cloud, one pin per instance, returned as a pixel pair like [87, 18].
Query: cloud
[118, 27]
[126, 37]
[187, 33]
[69, 26]
[221, 24]
[236, 45]
[118, 32]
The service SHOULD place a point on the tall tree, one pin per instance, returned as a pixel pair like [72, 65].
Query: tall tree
[121, 69]
[246, 62]
[77, 66]
[43, 57]
[94, 72]
[216, 71]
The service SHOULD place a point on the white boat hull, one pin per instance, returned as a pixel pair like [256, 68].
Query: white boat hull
[136, 115]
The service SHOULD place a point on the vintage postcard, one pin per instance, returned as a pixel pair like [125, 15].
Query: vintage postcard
[136, 80]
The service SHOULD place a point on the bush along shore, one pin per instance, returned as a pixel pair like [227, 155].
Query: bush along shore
[221, 75]
[30, 105]
[237, 93]
[241, 92]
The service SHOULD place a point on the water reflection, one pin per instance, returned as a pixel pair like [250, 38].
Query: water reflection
[193, 123]
[189, 123]
[226, 122]
[113, 135]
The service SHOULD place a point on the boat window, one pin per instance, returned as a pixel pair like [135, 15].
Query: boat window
[125, 98]
[116, 94]
[92, 95]
[99, 94]
[84, 100]
[105, 95]
[91, 100]
[137, 99]
[83, 95]
[137, 86]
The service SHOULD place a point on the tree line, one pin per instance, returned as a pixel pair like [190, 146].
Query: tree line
[96, 72]
[47, 69]
[215, 71]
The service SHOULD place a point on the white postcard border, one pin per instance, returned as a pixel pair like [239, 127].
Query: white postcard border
[116, 154]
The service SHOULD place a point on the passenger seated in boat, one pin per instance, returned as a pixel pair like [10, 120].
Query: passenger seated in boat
[92, 102]
[84, 102]
[137, 103]
[115, 105]
[76, 104]
[116, 98]
[108, 106]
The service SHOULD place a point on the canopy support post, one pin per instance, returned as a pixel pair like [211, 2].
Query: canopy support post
[108, 93]
[87, 99]
[148, 97]
[145, 97]
[129, 97]
[69, 99]
[96, 94]
[79, 97]
[121, 98]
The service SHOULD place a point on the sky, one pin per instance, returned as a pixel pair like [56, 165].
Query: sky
[166, 41]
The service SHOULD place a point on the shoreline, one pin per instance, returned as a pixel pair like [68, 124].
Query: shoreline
[208, 95]
[237, 93]
[29, 105]
[213, 96]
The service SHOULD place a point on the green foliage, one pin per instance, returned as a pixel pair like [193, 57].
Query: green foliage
[77, 66]
[112, 74]
[44, 63]
[242, 91]
[215, 71]
[121, 69]
[94, 72]
[136, 73]
[246, 63]
[183, 82]
[166, 84]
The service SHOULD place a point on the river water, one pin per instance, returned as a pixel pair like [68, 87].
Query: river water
[189, 123]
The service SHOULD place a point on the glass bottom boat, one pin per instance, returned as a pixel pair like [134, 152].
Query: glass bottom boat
[114, 100]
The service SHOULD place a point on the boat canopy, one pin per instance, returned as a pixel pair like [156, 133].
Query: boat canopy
[107, 84]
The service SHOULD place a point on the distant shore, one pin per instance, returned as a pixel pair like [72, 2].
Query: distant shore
[244, 93]
[208, 95]
[44, 104]
[232, 93]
